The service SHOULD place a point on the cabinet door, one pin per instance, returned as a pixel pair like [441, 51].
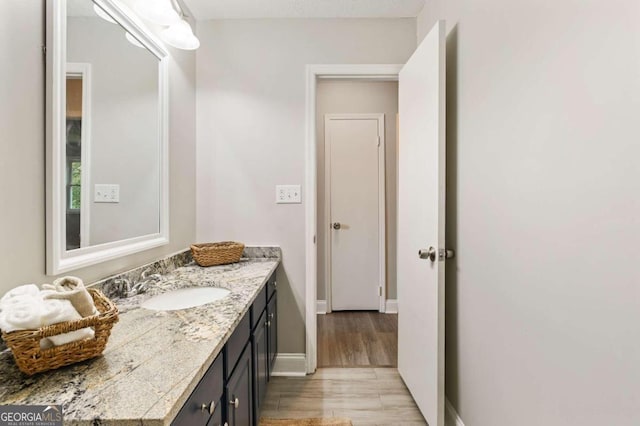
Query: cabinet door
[205, 398]
[216, 418]
[239, 392]
[260, 366]
[272, 331]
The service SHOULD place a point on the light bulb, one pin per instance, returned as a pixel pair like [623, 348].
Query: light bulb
[159, 12]
[131, 39]
[180, 35]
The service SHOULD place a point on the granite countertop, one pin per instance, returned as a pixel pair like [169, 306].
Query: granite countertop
[153, 360]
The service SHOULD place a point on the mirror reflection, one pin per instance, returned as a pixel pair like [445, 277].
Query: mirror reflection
[112, 147]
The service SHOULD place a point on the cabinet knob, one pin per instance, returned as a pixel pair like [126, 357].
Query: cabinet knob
[268, 323]
[211, 407]
[271, 315]
[275, 283]
[235, 402]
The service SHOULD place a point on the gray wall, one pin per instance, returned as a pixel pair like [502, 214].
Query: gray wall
[251, 130]
[22, 182]
[543, 297]
[124, 128]
[344, 96]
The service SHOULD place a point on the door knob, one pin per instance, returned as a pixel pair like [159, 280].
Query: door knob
[235, 402]
[336, 225]
[430, 254]
[210, 409]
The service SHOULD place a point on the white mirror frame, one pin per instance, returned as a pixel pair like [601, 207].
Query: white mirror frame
[59, 259]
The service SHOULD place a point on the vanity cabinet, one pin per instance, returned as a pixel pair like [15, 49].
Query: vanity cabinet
[234, 387]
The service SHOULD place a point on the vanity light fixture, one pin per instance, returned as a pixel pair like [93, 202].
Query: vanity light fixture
[102, 14]
[159, 12]
[168, 13]
[180, 35]
[131, 39]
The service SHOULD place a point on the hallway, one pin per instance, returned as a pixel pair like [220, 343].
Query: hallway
[357, 339]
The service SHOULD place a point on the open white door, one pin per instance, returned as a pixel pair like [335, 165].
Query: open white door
[421, 210]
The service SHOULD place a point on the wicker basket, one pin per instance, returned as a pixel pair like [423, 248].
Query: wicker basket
[31, 359]
[212, 254]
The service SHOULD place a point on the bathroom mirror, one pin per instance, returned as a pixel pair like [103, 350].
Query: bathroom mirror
[107, 130]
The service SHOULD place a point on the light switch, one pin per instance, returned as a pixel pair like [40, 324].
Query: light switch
[106, 193]
[288, 194]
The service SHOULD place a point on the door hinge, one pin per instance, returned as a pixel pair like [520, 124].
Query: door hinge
[380, 291]
[44, 50]
[378, 140]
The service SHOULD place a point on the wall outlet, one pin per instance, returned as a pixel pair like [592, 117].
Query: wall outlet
[288, 194]
[106, 193]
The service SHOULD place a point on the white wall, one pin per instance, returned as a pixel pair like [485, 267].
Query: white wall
[251, 130]
[543, 298]
[124, 128]
[22, 182]
[345, 96]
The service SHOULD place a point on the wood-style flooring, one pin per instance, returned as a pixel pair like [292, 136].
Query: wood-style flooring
[357, 339]
[367, 396]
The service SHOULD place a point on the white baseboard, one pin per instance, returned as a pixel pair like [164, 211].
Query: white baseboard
[290, 365]
[391, 306]
[451, 415]
[321, 307]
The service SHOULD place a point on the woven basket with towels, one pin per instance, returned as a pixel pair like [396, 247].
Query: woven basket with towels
[63, 343]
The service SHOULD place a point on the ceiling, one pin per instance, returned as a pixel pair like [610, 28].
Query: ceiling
[250, 9]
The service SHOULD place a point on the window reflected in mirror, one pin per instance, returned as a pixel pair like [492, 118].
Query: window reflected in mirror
[73, 149]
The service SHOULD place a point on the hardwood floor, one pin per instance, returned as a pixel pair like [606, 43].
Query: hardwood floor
[357, 339]
[367, 396]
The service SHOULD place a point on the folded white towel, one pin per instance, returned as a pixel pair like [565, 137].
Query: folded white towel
[72, 336]
[55, 311]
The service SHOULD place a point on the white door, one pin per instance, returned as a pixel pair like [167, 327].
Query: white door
[354, 166]
[421, 196]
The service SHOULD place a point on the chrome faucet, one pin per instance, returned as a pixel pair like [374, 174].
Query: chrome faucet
[127, 288]
[124, 286]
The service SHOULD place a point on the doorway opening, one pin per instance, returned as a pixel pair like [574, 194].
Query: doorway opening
[356, 151]
[315, 75]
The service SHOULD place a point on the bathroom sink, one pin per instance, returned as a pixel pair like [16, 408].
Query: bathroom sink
[185, 298]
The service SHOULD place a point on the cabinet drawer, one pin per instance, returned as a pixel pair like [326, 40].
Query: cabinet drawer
[258, 306]
[209, 391]
[271, 286]
[236, 343]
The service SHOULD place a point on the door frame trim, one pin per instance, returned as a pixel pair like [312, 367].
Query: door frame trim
[376, 72]
[382, 267]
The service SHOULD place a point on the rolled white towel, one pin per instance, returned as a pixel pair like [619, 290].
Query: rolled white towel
[21, 314]
[28, 311]
[18, 292]
[72, 289]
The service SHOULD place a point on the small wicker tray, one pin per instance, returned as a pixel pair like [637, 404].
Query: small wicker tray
[211, 254]
[31, 359]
